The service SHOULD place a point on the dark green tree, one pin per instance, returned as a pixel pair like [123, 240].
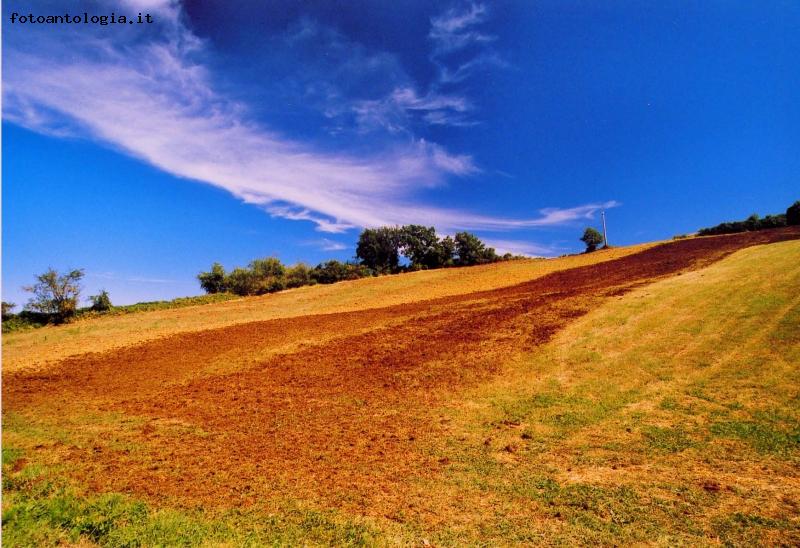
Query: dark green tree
[471, 250]
[7, 308]
[421, 246]
[447, 251]
[592, 238]
[214, 280]
[793, 214]
[378, 249]
[55, 295]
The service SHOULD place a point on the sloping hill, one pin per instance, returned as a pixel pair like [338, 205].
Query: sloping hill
[602, 402]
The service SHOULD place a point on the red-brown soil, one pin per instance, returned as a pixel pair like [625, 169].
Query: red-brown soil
[341, 414]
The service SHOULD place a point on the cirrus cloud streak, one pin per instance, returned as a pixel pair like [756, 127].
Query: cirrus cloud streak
[155, 100]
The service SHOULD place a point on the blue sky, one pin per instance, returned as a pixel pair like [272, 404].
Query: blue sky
[227, 131]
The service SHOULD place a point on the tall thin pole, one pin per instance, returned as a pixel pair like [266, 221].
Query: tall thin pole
[605, 236]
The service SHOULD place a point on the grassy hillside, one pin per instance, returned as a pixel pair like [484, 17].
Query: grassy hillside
[652, 399]
[32, 348]
[669, 415]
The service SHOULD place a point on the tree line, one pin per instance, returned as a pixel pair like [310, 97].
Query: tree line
[754, 222]
[55, 300]
[379, 251]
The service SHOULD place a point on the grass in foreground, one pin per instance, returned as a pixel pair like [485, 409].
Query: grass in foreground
[670, 415]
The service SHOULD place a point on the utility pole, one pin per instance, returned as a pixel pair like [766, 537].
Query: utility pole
[605, 236]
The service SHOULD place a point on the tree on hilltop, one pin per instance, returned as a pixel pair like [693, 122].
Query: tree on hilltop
[101, 302]
[793, 214]
[471, 250]
[214, 280]
[421, 246]
[379, 248]
[55, 294]
[592, 238]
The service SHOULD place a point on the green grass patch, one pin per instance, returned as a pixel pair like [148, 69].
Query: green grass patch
[750, 529]
[764, 438]
[38, 512]
[667, 439]
[11, 455]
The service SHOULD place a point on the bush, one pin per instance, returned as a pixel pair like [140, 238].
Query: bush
[241, 282]
[335, 271]
[773, 221]
[753, 222]
[101, 302]
[261, 276]
[793, 214]
[214, 280]
[25, 320]
[592, 238]
[268, 275]
[329, 272]
[299, 275]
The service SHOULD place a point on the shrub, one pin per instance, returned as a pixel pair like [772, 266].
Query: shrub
[261, 276]
[773, 221]
[241, 282]
[299, 275]
[268, 275]
[56, 295]
[793, 214]
[592, 238]
[25, 320]
[214, 280]
[355, 271]
[335, 271]
[329, 272]
[753, 222]
[101, 302]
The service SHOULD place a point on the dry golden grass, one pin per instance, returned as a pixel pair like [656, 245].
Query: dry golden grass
[37, 347]
[668, 415]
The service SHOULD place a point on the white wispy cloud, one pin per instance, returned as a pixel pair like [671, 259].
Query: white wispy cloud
[155, 100]
[395, 111]
[326, 244]
[456, 29]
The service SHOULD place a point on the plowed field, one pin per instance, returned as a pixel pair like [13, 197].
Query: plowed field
[338, 409]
